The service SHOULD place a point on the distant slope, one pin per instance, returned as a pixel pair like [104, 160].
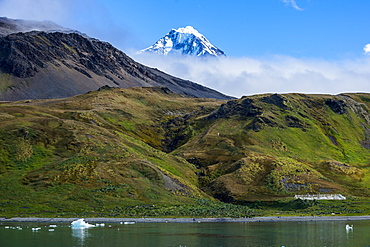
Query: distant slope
[36, 65]
[184, 41]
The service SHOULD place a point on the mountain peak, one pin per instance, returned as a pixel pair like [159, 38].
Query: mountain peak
[184, 41]
[189, 30]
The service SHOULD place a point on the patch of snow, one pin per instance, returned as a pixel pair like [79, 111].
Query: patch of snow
[188, 29]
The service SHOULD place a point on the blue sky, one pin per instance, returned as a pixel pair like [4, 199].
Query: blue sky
[278, 45]
[304, 28]
[316, 28]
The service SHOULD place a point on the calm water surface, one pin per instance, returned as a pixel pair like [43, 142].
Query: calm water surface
[327, 233]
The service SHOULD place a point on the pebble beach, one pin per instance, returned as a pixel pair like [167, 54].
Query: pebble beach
[189, 220]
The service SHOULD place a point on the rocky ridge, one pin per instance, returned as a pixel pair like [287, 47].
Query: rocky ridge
[37, 64]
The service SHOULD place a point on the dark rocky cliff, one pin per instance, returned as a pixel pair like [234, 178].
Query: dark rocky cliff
[54, 65]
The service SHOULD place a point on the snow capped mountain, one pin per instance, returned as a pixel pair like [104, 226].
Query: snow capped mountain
[184, 41]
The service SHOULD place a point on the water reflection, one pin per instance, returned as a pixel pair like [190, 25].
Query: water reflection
[80, 235]
[315, 233]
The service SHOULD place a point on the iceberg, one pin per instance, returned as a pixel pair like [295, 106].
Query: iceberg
[80, 224]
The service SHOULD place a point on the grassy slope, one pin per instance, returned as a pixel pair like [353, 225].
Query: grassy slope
[84, 154]
[102, 154]
[298, 145]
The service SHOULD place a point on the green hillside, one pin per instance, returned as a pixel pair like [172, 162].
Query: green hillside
[270, 146]
[148, 151]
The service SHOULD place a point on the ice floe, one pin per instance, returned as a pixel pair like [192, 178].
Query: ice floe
[129, 222]
[81, 224]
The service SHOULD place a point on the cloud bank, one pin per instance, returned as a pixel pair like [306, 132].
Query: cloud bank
[274, 74]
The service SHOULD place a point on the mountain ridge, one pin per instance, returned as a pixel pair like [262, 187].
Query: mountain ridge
[40, 64]
[9, 26]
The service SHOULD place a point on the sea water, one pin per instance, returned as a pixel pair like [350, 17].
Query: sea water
[310, 233]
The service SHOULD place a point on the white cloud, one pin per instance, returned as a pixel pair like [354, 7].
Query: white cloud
[90, 17]
[55, 10]
[367, 49]
[275, 74]
[292, 3]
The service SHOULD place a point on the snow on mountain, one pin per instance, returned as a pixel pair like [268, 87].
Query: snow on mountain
[184, 41]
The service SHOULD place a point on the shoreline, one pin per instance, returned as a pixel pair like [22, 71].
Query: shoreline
[188, 220]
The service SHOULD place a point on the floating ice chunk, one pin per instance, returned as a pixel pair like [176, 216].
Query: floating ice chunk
[7, 227]
[53, 226]
[97, 224]
[349, 228]
[80, 224]
[36, 228]
[129, 222]
[51, 230]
